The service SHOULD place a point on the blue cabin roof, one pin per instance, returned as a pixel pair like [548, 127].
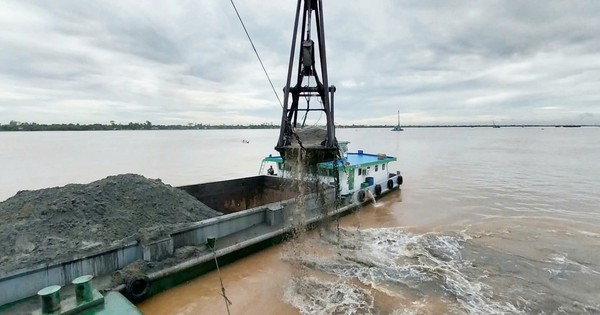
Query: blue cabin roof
[359, 159]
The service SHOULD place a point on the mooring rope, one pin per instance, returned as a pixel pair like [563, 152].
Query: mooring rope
[227, 301]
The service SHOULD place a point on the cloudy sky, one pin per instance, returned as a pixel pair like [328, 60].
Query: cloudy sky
[179, 62]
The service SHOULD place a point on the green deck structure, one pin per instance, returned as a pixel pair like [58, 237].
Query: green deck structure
[110, 304]
[114, 303]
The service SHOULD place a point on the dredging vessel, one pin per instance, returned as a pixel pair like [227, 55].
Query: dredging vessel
[313, 174]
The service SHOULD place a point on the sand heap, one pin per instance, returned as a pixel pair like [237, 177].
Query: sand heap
[58, 223]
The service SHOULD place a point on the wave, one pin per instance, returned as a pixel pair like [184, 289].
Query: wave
[394, 262]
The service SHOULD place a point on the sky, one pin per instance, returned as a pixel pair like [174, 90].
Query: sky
[181, 62]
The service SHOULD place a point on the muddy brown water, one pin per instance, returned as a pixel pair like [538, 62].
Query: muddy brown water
[489, 221]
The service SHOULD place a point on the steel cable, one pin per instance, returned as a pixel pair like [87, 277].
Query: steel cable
[256, 52]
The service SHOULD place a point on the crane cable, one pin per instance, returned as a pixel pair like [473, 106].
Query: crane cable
[256, 52]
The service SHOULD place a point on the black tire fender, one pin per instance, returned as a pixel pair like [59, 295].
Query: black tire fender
[377, 189]
[390, 184]
[137, 289]
[360, 195]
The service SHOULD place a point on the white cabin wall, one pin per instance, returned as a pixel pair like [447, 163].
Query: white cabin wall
[378, 176]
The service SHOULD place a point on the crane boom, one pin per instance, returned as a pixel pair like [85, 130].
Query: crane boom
[311, 82]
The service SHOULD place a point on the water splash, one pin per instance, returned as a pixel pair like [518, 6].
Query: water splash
[311, 295]
[372, 197]
[389, 261]
[562, 266]
[398, 263]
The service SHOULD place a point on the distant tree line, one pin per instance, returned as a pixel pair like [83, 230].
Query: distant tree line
[26, 126]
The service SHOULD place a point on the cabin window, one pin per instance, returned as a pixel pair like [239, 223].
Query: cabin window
[359, 171]
[383, 167]
[376, 168]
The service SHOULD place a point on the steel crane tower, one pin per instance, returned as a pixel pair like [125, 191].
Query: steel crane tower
[311, 82]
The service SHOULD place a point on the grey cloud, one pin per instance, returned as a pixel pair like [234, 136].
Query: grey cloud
[181, 61]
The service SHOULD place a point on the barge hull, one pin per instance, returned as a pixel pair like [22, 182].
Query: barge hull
[258, 213]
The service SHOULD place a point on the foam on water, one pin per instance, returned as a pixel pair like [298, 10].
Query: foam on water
[311, 295]
[398, 263]
[538, 271]
[561, 266]
[590, 234]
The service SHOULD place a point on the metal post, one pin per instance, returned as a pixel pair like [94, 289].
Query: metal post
[50, 298]
[83, 288]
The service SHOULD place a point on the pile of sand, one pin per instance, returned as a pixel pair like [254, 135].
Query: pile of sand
[309, 136]
[58, 223]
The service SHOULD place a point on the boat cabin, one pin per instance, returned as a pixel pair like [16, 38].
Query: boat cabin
[356, 170]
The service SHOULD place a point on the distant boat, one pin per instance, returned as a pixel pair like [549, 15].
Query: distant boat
[398, 128]
[495, 126]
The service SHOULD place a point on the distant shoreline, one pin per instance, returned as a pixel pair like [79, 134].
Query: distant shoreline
[15, 126]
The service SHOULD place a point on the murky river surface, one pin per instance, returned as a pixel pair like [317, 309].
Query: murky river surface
[489, 221]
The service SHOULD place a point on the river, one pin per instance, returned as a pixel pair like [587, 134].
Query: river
[489, 220]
